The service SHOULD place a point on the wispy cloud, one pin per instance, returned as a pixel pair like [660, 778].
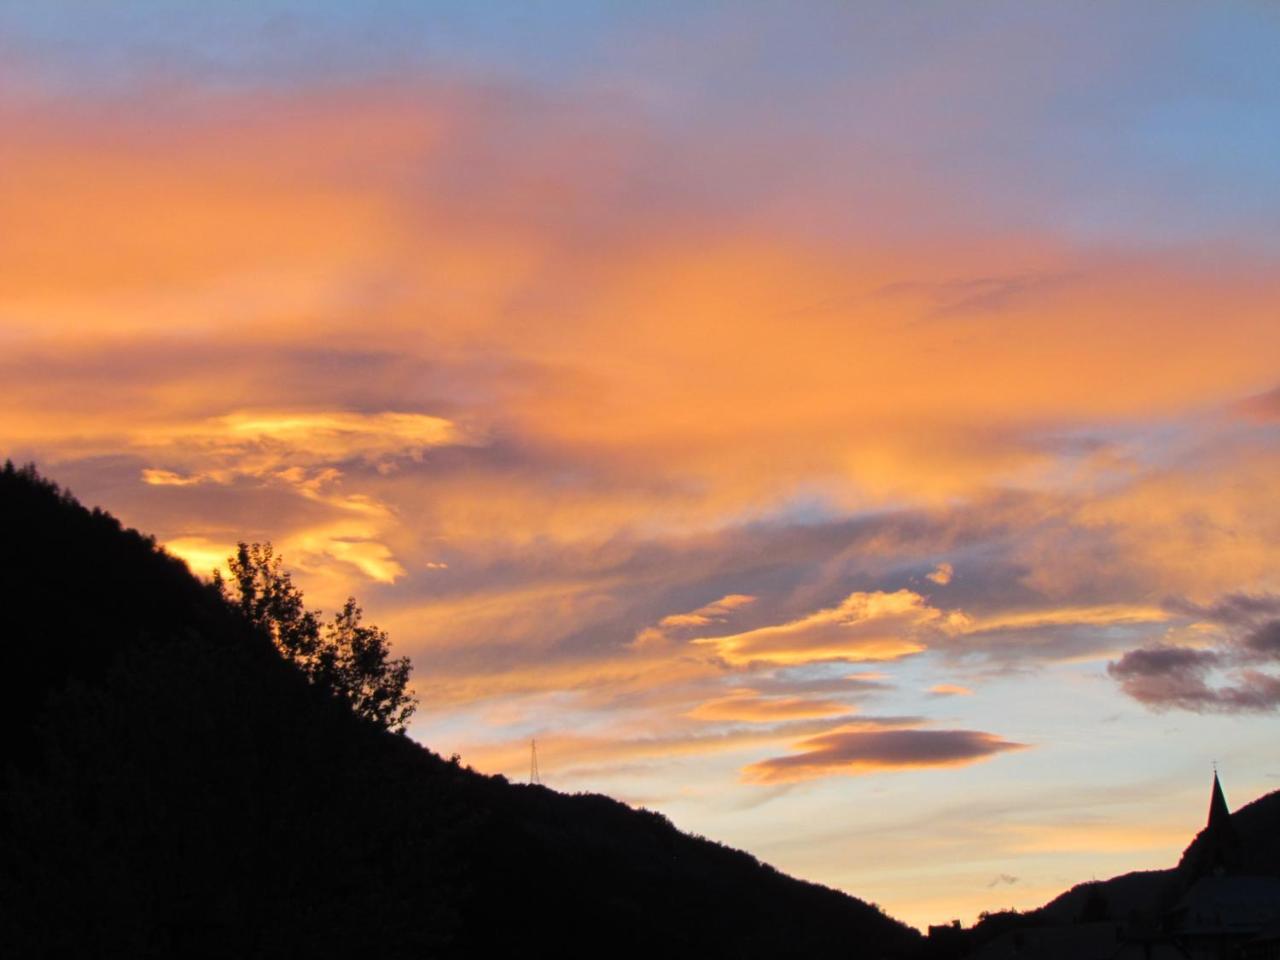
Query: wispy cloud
[863, 627]
[846, 751]
[282, 443]
[748, 706]
[712, 613]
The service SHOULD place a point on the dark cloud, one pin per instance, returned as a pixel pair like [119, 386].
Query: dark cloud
[1029, 648]
[1233, 609]
[1248, 636]
[857, 751]
[1264, 642]
[1002, 879]
[1254, 691]
[1165, 677]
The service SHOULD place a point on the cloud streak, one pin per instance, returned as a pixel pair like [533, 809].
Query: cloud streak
[747, 706]
[863, 627]
[847, 751]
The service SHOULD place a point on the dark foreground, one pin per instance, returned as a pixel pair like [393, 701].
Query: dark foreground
[171, 787]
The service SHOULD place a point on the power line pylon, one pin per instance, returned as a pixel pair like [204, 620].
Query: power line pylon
[533, 763]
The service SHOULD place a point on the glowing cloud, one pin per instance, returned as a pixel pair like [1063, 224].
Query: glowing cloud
[266, 443]
[1091, 616]
[941, 574]
[864, 627]
[202, 555]
[950, 690]
[747, 706]
[711, 613]
[167, 478]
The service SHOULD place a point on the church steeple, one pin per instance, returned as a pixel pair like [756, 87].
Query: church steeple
[1220, 845]
[1219, 815]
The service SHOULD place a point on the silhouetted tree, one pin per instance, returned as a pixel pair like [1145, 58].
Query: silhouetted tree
[353, 661]
[267, 597]
[343, 656]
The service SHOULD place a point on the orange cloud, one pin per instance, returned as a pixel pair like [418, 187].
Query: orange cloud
[287, 444]
[202, 555]
[167, 478]
[865, 626]
[1095, 616]
[941, 574]
[1185, 529]
[747, 706]
[950, 690]
[280, 221]
[711, 613]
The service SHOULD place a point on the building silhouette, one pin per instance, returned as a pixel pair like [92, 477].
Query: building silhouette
[1222, 902]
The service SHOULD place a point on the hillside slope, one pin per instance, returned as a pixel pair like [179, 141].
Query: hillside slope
[1257, 824]
[171, 787]
[1145, 896]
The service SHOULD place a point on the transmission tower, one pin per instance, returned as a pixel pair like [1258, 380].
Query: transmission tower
[533, 763]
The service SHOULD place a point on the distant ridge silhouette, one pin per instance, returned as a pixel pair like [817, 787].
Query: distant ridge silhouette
[1222, 900]
[171, 787]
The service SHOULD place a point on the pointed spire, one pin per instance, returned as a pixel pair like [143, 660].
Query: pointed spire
[1220, 846]
[1219, 815]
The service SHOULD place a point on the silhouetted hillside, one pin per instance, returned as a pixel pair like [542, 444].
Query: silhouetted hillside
[1143, 899]
[172, 788]
[1258, 826]
[1120, 896]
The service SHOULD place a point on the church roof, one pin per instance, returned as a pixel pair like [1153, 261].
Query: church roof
[1228, 905]
[1217, 849]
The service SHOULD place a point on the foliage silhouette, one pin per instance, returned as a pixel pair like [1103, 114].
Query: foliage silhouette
[172, 787]
[344, 657]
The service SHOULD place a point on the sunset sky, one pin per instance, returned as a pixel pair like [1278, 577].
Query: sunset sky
[849, 428]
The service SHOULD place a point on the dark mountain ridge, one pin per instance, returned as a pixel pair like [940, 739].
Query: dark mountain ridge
[1144, 906]
[1256, 853]
[171, 787]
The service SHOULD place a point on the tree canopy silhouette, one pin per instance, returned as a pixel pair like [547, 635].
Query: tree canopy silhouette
[343, 656]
